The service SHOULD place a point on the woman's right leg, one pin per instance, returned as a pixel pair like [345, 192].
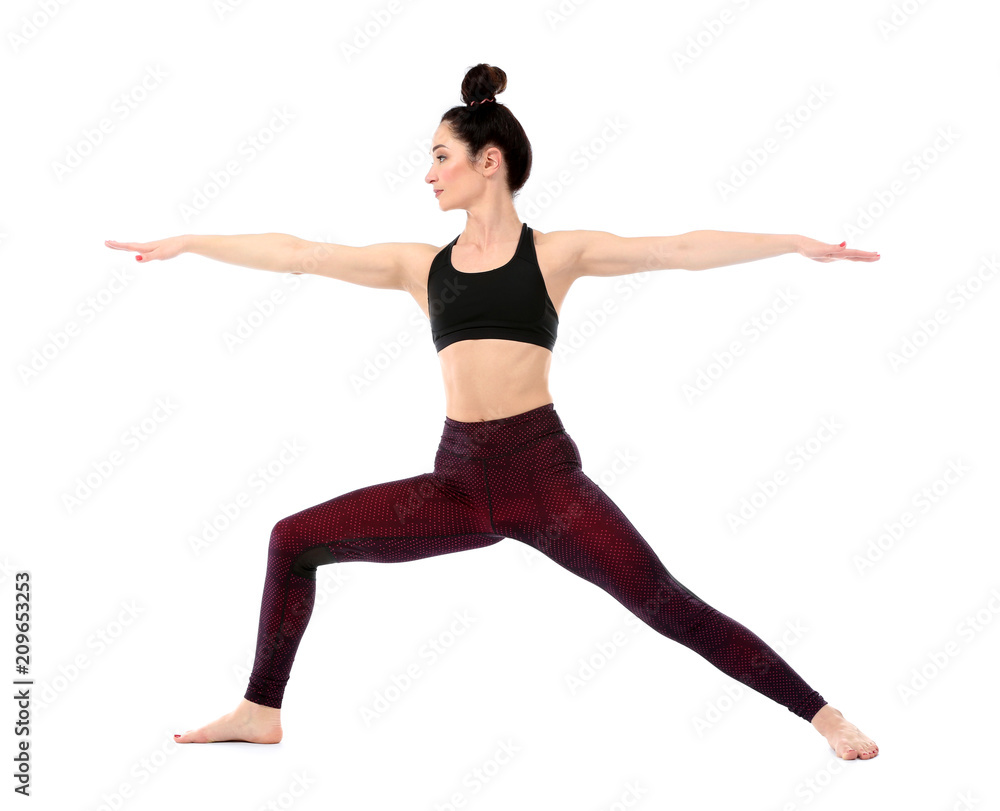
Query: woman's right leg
[430, 514]
[407, 519]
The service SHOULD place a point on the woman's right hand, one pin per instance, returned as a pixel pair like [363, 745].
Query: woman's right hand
[161, 249]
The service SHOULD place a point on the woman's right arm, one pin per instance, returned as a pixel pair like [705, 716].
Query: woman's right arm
[258, 251]
[382, 265]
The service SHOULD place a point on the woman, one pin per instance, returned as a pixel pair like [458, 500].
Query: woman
[505, 466]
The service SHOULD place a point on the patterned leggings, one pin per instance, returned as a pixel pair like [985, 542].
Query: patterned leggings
[517, 477]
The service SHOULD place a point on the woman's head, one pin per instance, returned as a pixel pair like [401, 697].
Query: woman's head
[479, 147]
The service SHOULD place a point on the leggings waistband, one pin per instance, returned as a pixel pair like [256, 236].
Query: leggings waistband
[485, 438]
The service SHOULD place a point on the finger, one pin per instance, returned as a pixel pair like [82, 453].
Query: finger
[128, 246]
[145, 250]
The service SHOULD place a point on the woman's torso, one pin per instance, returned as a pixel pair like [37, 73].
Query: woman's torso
[488, 379]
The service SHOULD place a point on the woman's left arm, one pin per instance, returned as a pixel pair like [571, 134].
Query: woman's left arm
[600, 253]
[700, 250]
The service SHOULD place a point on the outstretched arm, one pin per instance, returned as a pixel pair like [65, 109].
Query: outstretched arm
[712, 249]
[599, 253]
[259, 251]
[383, 265]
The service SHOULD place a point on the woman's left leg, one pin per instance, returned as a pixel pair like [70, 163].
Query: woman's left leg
[542, 497]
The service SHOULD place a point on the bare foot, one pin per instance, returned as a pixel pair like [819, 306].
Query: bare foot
[846, 739]
[250, 722]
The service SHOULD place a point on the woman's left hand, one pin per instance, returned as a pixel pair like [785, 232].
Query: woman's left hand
[825, 252]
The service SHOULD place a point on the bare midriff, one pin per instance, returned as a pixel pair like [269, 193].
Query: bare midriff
[489, 378]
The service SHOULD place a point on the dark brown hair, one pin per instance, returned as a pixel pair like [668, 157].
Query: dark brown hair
[490, 123]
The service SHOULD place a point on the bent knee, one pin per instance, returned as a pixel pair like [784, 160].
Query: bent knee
[286, 535]
[290, 542]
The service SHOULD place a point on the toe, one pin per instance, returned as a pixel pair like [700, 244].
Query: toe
[193, 736]
[847, 752]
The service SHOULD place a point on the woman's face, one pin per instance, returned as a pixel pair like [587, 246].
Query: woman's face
[461, 184]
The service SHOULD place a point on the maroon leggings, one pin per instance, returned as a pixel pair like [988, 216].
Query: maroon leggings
[517, 477]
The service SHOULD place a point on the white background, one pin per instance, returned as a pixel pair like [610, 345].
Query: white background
[348, 168]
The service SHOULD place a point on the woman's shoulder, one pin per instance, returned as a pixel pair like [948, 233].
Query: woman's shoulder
[559, 251]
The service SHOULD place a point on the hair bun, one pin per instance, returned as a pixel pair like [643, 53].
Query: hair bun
[482, 82]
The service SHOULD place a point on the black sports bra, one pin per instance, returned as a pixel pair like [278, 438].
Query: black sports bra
[509, 302]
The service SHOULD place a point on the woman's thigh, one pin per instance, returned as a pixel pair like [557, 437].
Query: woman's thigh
[389, 522]
[544, 499]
